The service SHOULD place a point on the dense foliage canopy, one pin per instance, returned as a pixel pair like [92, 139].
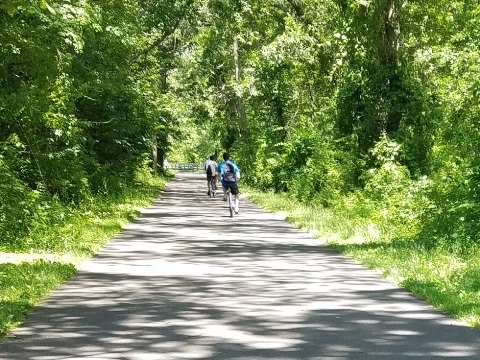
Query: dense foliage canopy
[371, 105]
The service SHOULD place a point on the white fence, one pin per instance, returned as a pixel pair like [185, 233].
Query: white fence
[187, 167]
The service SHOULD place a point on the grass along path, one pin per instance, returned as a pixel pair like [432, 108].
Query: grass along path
[448, 280]
[32, 267]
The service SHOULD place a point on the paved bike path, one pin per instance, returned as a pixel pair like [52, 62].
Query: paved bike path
[184, 281]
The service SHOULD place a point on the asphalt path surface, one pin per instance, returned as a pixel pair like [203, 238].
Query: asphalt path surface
[184, 281]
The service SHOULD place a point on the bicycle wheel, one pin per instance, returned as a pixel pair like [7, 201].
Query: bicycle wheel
[212, 186]
[230, 203]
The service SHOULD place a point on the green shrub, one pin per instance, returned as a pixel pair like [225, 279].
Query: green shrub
[17, 206]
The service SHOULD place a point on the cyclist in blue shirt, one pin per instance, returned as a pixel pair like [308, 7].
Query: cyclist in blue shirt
[229, 176]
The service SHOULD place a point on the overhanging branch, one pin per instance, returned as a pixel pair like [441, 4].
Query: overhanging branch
[170, 31]
[160, 40]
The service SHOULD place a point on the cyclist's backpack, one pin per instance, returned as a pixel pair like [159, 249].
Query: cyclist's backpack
[209, 169]
[229, 173]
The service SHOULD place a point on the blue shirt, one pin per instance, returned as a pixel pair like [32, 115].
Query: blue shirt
[220, 170]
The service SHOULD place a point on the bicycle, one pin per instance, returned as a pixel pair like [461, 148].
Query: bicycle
[213, 187]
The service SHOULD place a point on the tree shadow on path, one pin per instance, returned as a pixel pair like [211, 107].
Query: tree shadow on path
[185, 281]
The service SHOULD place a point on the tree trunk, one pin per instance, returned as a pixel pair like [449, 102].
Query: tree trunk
[389, 59]
[390, 36]
[154, 155]
[240, 103]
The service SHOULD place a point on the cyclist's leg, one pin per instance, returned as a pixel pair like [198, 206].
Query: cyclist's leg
[212, 186]
[236, 198]
[224, 192]
[230, 201]
[208, 184]
[237, 204]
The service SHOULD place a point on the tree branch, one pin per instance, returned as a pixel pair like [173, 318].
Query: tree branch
[160, 40]
[299, 10]
[170, 31]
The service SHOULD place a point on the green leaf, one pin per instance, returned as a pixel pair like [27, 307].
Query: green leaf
[47, 6]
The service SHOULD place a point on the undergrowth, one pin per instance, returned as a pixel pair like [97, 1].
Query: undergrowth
[60, 238]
